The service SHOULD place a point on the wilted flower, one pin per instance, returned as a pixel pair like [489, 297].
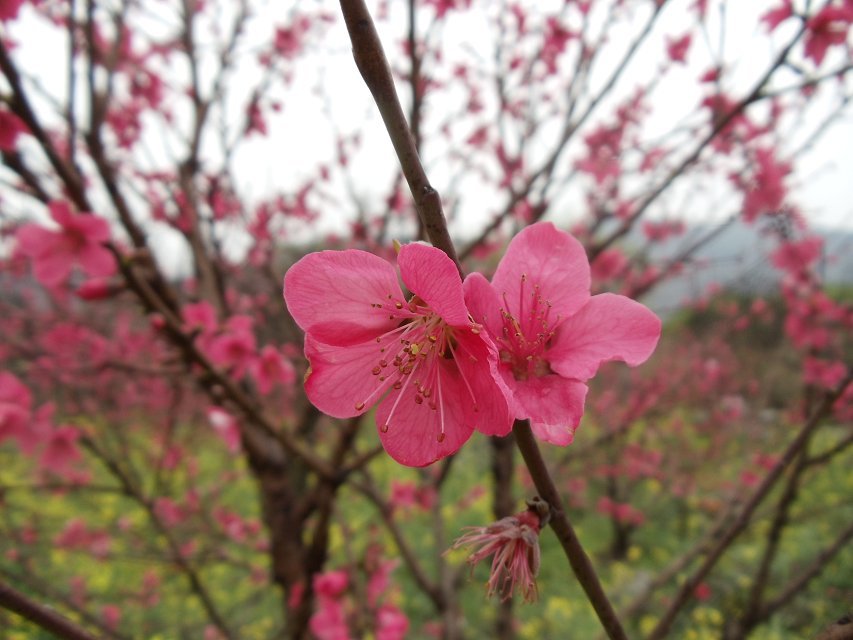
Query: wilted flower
[513, 543]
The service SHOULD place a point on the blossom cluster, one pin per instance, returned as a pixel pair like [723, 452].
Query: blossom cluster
[458, 356]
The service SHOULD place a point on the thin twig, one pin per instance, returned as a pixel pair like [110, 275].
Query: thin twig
[688, 587]
[373, 66]
[44, 617]
[578, 559]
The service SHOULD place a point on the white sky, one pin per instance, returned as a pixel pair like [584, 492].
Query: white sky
[301, 136]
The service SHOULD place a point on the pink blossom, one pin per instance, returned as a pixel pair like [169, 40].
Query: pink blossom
[796, 256]
[391, 623]
[826, 28]
[766, 192]
[556, 39]
[429, 367]
[226, 427]
[379, 581]
[98, 289]
[235, 347]
[329, 621]
[609, 264]
[677, 49]
[603, 152]
[331, 584]
[111, 615]
[15, 406]
[60, 450]
[702, 592]
[77, 535]
[551, 334]
[271, 368]
[169, 511]
[774, 17]
[824, 373]
[514, 544]
[79, 240]
[9, 9]
[11, 126]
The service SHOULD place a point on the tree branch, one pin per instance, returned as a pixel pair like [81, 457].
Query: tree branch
[373, 66]
[578, 558]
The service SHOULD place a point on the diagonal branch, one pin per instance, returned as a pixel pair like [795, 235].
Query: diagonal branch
[578, 559]
[373, 66]
[742, 520]
[44, 617]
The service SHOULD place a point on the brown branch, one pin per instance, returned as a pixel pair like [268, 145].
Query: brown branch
[570, 128]
[369, 490]
[20, 105]
[373, 66]
[43, 616]
[229, 388]
[720, 124]
[688, 587]
[502, 507]
[178, 557]
[750, 617]
[578, 559]
[813, 570]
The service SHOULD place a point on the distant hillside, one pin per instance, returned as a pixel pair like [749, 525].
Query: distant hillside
[738, 258]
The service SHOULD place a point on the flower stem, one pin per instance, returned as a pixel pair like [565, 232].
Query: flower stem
[579, 561]
[373, 66]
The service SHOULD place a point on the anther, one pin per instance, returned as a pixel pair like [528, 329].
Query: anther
[384, 428]
[359, 406]
[441, 437]
[377, 370]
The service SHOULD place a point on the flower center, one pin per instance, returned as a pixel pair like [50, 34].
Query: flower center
[525, 337]
[414, 353]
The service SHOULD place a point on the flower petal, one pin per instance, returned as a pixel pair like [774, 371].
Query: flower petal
[551, 260]
[341, 380]
[483, 303]
[34, 240]
[52, 269]
[609, 327]
[554, 406]
[430, 274]
[334, 295]
[412, 437]
[484, 392]
[96, 261]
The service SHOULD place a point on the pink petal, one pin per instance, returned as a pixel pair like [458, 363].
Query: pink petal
[549, 258]
[412, 437]
[34, 240]
[483, 303]
[341, 377]
[332, 295]
[61, 212]
[52, 269]
[430, 274]
[93, 228]
[554, 405]
[96, 261]
[13, 391]
[483, 386]
[609, 327]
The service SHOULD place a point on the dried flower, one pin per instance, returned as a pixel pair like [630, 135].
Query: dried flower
[513, 543]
